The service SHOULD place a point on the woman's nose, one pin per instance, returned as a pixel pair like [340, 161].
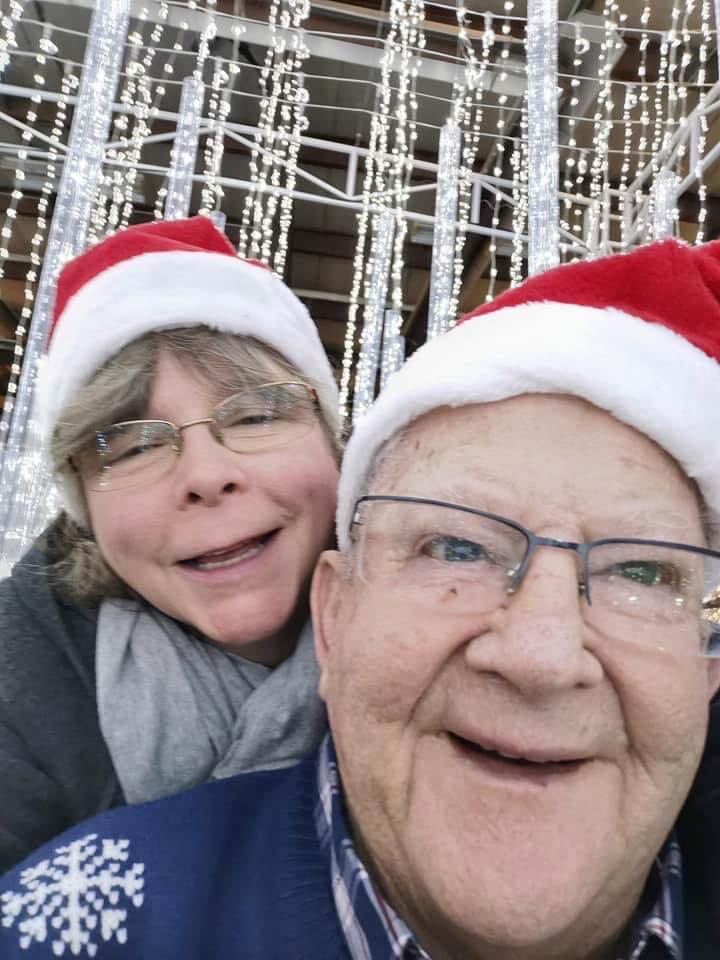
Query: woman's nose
[207, 471]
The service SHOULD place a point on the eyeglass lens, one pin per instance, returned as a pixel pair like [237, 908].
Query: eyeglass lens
[648, 594]
[140, 451]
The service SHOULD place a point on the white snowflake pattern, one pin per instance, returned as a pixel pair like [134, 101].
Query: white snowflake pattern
[77, 897]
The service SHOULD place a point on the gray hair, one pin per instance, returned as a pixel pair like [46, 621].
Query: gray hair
[120, 391]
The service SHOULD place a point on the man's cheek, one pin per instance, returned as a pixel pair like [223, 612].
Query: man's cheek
[380, 677]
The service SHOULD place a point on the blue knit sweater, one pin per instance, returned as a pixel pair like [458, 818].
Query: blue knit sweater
[232, 870]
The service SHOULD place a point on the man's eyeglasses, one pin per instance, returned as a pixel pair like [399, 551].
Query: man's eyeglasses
[656, 593]
[140, 451]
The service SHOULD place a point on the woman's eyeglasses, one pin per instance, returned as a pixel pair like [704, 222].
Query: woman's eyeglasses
[136, 452]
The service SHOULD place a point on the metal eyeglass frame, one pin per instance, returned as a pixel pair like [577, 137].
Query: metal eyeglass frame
[534, 541]
[215, 428]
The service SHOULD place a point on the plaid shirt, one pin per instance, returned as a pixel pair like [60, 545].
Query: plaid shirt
[374, 931]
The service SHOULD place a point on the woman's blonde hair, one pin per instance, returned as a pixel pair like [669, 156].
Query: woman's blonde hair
[120, 391]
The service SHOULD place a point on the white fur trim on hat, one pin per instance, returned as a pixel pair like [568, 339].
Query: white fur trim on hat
[642, 373]
[159, 291]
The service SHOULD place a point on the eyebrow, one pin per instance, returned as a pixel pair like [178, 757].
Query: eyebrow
[484, 491]
[481, 490]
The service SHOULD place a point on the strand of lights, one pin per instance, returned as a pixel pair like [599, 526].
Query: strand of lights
[685, 62]
[25, 503]
[519, 166]
[387, 175]
[644, 100]
[8, 40]
[658, 121]
[412, 42]
[280, 124]
[393, 347]
[45, 46]
[105, 214]
[703, 124]
[498, 171]
[143, 114]
[599, 182]
[629, 104]
[160, 90]
[542, 52]
[68, 84]
[674, 42]
[443, 251]
[184, 152]
[183, 156]
[219, 107]
[373, 158]
[575, 166]
[468, 111]
[382, 248]
[297, 94]
[665, 188]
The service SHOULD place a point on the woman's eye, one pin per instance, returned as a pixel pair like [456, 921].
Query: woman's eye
[132, 452]
[454, 550]
[250, 419]
[648, 573]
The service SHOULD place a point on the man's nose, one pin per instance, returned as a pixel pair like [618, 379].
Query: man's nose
[537, 641]
[207, 471]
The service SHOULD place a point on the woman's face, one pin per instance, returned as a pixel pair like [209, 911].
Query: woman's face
[224, 542]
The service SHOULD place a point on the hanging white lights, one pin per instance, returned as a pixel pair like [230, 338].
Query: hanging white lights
[68, 85]
[8, 41]
[184, 152]
[542, 51]
[219, 107]
[143, 109]
[376, 298]
[702, 130]
[25, 503]
[273, 161]
[665, 190]
[393, 347]
[27, 136]
[519, 165]
[443, 252]
[468, 107]
[388, 167]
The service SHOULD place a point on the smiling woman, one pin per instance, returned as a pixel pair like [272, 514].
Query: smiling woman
[156, 636]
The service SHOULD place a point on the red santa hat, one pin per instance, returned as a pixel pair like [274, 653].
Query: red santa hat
[161, 275]
[636, 334]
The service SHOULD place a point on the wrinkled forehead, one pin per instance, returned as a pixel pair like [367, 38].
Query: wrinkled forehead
[555, 448]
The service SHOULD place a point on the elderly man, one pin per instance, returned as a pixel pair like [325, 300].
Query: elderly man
[517, 647]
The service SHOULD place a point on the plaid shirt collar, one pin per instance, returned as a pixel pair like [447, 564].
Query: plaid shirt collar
[373, 931]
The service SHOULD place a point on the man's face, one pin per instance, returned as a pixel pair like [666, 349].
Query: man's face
[492, 857]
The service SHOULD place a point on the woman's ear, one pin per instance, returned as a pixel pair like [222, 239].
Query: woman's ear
[328, 594]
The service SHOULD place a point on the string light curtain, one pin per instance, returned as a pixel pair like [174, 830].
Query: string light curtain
[282, 121]
[542, 60]
[388, 168]
[376, 298]
[25, 500]
[8, 41]
[185, 148]
[665, 211]
[443, 252]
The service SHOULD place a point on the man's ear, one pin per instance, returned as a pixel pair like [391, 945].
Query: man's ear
[329, 585]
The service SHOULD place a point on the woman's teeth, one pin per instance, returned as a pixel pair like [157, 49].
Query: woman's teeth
[245, 552]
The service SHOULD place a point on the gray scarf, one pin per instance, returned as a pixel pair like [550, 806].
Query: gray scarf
[175, 710]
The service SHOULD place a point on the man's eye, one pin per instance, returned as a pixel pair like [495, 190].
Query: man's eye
[454, 550]
[648, 573]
